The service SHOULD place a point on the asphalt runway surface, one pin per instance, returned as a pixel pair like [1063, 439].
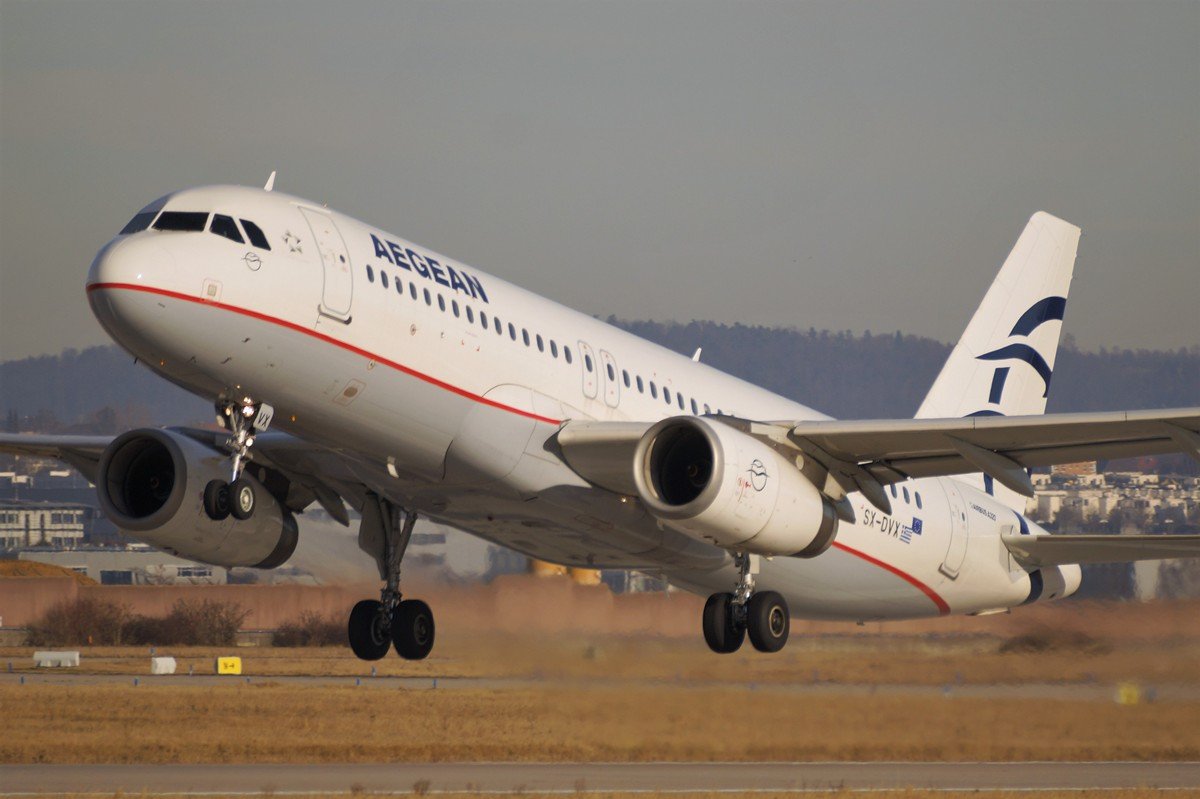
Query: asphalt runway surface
[589, 777]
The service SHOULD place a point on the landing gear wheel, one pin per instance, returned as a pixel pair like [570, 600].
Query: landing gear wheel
[767, 621]
[722, 633]
[412, 629]
[242, 499]
[216, 500]
[368, 630]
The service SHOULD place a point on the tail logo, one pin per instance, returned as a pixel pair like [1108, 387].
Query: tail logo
[1042, 311]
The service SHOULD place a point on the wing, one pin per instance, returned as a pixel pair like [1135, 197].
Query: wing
[82, 452]
[1035, 551]
[864, 456]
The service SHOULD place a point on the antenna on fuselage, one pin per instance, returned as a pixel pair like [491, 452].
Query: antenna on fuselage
[270, 182]
[696, 354]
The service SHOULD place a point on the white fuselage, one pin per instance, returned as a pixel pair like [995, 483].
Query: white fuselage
[443, 385]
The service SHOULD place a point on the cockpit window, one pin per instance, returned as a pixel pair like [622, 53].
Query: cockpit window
[255, 234]
[182, 220]
[138, 223]
[225, 226]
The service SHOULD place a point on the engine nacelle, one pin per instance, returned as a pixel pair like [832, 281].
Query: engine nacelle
[717, 484]
[151, 484]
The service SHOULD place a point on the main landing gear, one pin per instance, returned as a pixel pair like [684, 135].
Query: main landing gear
[729, 617]
[244, 420]
[375, 625]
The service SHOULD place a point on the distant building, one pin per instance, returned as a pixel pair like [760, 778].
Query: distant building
[134, 566]
[42, 524]
[1074, 469]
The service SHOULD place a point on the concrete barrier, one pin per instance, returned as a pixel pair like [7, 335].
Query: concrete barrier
[49, 660]
[162, 665]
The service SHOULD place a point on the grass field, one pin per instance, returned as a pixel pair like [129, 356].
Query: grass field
[622, 699]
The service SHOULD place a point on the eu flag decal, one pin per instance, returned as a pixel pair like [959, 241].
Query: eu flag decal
[907, 533]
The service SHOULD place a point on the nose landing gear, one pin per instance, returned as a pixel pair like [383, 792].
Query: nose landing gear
[244, 420]
[728, 617]
[406, 624]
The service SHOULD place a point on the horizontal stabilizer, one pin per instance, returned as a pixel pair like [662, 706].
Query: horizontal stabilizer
[1035, 551]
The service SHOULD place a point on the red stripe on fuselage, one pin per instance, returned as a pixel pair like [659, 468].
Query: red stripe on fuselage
[943, 608]
[327, 339]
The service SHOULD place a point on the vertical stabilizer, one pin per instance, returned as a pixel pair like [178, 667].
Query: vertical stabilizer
[1003, 363]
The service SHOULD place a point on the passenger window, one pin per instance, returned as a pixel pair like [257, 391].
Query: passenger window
[695, 409]
[625, 377]
[667, 395]
[639, 384]
[383, 278]
[399, 287]
[525, 336]
[139, 223]
[225, 226]
[653, 390]
[182, 221]
[454, 307]
[541, 344]
[470, 315]
[892, 488]
[567, 353]
[255, 234]
[917, 494]
[412, 290]
[499, 326]
[706, 410]
[612, 374]
[905, 495]
[512, 331]
[553, 348]
[370, 274]
[483, 320]
[428, 297]
[441, 303]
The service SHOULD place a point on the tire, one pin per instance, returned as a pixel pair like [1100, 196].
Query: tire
[368, 631]
[216, 500]
[242, 498]
[767, 621]
[413, 630]
[722, 634]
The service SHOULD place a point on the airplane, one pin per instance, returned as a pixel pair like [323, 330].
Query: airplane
[351, 368]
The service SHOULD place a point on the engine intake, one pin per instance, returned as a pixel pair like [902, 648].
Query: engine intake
[151, 484]
[715, 483]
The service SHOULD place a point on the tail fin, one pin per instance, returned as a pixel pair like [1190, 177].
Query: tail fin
[1003, 363]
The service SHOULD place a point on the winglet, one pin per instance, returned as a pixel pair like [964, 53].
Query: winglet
[270, 182]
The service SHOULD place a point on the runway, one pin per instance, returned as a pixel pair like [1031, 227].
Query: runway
[589, 777]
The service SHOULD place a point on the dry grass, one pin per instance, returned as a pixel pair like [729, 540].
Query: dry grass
[1134, 793]
[264, 722]
[870, 660]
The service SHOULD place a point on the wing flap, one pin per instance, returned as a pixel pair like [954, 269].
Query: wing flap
[1034, 551]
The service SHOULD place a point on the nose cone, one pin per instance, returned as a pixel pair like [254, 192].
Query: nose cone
[122, 277]
[129, 260]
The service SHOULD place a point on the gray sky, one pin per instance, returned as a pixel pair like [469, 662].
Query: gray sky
[837, 165]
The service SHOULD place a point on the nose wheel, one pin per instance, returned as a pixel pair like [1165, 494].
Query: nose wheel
[729, 617]
[244, 419]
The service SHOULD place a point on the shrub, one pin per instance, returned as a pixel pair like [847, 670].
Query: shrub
[81, 621]
[91, 621]
[312, 629]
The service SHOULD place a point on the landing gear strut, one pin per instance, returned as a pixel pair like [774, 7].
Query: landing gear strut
[243, 419]
[729, 616]
[406, 624]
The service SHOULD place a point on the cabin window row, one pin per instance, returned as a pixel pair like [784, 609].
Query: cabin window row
[468, 312]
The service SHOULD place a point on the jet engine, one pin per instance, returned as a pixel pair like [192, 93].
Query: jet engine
[717, 484]
[151, 484]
